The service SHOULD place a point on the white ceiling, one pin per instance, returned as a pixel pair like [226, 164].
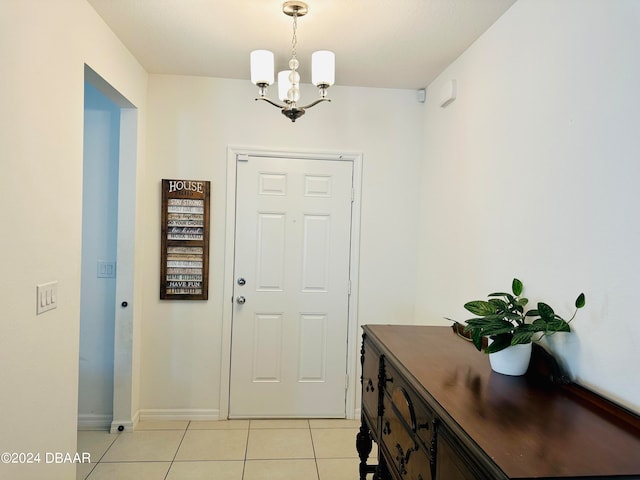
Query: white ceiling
[378, 43]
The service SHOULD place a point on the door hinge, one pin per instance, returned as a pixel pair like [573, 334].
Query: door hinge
[353, 195]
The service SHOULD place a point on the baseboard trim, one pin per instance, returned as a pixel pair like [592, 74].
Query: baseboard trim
[129, 426]
[157, 414]
[92, 421]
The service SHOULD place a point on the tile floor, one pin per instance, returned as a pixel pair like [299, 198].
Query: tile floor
[224, 450]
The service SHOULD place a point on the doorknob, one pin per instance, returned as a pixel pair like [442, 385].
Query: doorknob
[240, 300]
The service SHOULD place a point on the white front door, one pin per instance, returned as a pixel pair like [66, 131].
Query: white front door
[291, 292]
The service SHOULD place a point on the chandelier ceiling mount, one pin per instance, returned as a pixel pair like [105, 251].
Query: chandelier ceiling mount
[295, 8]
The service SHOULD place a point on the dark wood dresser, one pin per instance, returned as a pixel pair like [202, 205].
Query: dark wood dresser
[437, 412]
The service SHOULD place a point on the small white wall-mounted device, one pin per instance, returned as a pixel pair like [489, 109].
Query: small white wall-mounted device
[448, 93]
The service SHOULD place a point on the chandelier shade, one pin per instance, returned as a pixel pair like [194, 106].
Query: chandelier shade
[322, 71]
[323, 68]
[262, 67]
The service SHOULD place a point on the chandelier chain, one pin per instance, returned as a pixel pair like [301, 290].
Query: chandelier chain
[294, 38]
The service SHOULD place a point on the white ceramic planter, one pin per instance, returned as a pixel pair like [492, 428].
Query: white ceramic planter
[512, 360]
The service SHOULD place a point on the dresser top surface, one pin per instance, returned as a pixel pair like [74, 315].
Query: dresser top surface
[527, 430]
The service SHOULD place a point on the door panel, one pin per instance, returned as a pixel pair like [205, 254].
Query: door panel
[315, 255]
[267, 343]
[292, 247]
[313, 348]
[270, 261]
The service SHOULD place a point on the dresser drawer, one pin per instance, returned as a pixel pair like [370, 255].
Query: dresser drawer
[451, 465]
[407, 458]
[419, 466]
[418, 416]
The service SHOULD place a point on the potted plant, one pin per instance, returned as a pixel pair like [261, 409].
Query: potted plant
[509, 327]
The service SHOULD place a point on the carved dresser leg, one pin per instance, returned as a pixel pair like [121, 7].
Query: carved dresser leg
[364, 444]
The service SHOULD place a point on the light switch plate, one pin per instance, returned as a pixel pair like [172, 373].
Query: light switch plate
[106, 269]
[46, 297]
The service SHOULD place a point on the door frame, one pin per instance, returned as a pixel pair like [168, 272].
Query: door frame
[126, 337]
[352, 359]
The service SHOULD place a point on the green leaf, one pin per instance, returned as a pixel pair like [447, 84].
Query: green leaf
[538, 325]
[497, 328]
[545, 310]
[516, 287]
[513, 316]
[476, 336]
[499, 303]
[522, 301]
[499, 294]
[580, 301]
[510, 298]
[483, 321]
[480, 307]
[558, 325]
[522, 336]
[500, 342]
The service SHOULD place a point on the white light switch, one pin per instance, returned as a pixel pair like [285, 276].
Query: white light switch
[46, 297]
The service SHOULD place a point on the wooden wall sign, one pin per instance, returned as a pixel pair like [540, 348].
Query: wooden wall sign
[184, 253]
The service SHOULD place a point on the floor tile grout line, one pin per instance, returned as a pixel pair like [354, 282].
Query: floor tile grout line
[166, 476]
[109, 448]
[139, 461]
[102, 456]
[246, 449]
[313, 447]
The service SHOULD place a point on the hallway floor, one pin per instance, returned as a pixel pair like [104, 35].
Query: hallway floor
[224, 450]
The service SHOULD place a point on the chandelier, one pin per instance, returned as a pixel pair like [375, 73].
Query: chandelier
[322, 71]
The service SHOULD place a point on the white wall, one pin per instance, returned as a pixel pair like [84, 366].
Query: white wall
[533, 171]
[44, 46]
[192, 121]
